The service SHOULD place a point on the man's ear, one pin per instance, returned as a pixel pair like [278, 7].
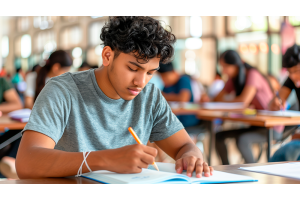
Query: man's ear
[107, 56]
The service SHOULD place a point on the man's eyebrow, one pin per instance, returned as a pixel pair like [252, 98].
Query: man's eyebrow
[141, 66]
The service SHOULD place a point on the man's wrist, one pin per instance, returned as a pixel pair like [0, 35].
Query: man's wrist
[97, 160]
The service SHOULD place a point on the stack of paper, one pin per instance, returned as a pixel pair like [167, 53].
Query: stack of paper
[20, 115]
[291, 170]
[166, 175]
[222, 106]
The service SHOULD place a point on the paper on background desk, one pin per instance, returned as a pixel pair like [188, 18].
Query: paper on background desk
[290, 170]
[285, 113]
[222, 105]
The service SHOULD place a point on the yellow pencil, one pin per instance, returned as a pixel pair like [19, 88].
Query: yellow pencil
[137, 139]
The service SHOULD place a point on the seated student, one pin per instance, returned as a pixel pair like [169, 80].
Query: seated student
[291, 61]
[91, 111]
[9, 101]
[251, 88]
[58, 63]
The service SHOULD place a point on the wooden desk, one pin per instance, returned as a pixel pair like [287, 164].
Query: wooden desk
[262, 178]
[6, 122]
[258, 120]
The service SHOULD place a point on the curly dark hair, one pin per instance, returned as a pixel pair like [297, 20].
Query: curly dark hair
[143, 36]
[291, 56]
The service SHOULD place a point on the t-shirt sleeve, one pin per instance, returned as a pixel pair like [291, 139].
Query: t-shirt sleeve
[51, 110]
[6, 85]
[165, 123]
[289, 83]
[229, 86]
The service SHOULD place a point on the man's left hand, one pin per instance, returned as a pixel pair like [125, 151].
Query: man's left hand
[191, 164]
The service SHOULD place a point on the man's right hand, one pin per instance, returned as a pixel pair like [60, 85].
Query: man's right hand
[128, 159]
[275, 104]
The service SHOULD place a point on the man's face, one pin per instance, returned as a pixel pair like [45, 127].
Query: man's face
[294, 74]
[128, 77]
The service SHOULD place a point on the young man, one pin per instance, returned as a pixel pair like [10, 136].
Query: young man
[92, 110]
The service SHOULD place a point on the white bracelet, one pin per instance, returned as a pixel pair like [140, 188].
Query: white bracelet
[79, 173]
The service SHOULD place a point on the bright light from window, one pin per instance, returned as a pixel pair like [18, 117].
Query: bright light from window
[94, 17]
[263, 47]
[253, 48]
[190, 54]
[77, 52]
[190, 67]
[77, 62]
[193, 43]
[25, 46]
[98, 50]
[196, 26]
[242, 23]
[275, 48]
[5, 46]
[50, 46]
[244, 48]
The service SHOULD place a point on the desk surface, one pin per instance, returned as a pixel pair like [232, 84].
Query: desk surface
[262, 178]
[6, 122]
[258, 120]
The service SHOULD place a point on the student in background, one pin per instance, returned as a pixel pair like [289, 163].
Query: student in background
[9, 101]
[251, 88]
[58, 63]
[30, 83]
[290, 61]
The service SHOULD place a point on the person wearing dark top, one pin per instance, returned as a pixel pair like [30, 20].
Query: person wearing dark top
[178, 88]
[291, 61]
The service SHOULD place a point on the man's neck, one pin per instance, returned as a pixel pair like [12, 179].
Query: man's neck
[104, 83]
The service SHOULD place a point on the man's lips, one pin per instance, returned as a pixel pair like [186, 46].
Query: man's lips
[134, 91]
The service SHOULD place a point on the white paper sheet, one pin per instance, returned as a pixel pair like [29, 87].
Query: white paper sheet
[222, 105]
[290, 170]
[283, 113]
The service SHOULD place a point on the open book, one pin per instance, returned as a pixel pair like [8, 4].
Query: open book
[166, 175]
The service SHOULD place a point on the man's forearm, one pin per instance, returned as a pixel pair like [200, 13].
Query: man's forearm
[41, 162]
[190, 149]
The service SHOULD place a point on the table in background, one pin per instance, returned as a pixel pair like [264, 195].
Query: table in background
[262, 178]
[257, 120]
[7, 123]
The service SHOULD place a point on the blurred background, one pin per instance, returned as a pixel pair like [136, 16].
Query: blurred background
[261, 41]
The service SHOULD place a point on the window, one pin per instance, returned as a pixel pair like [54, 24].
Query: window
[238, 24]
[70, 37]
[94, 33]
[22, 24]
[5, 46]
[44, 41]
[44, 22]
[294, 20]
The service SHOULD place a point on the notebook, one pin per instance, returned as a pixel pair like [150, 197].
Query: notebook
[222, 106]
[282, 113]
[290, 170]
[166, 175]
[21, 115]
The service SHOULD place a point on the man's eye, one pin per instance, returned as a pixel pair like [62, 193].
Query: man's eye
[149, 74]
[132, 69]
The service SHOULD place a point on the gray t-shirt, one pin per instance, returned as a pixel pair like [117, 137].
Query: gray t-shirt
[78, 116]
